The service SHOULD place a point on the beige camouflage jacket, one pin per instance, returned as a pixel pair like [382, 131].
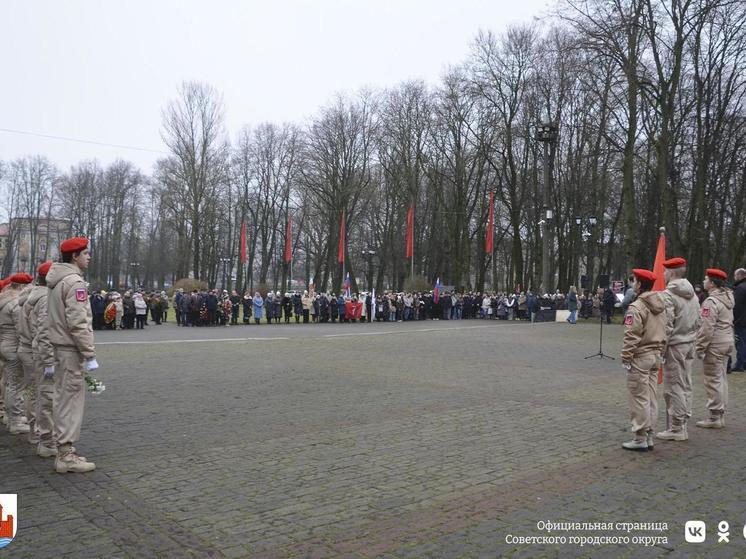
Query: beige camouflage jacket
[644, 326]
[70, 320]
[35, 309]
[716, 327]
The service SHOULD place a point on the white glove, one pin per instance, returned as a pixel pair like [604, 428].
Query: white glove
[627, 366]
[49, 372]
[91, 365]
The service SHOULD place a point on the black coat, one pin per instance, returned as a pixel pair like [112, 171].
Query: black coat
[128, 306]
[739, 310]
[609, 300]
[98, 304]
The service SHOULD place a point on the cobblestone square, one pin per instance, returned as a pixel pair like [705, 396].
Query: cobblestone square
[426, 439]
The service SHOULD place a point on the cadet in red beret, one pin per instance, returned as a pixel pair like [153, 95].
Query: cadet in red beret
[35, 309]
[71, 334]
[21, 278]
[74, 244]
[13, 374]
[43, 269]
[715, 342]
[682, 317]
[644, 341]
[673, 263]
[715, 273]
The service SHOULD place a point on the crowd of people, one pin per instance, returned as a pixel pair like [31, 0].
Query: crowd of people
[219, 308]
[47, 347]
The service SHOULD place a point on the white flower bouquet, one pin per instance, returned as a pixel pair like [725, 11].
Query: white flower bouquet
[94, 385]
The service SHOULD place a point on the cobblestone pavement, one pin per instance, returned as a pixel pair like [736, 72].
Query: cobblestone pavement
[433, 439]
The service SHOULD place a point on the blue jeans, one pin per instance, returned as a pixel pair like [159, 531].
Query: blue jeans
[740, 332]
[573, 318]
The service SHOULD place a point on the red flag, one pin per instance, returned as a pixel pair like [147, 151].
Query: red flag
[660, 281]
[488, 242]
[244, 258]
[341, 247]
[410, 231]
[289, 240]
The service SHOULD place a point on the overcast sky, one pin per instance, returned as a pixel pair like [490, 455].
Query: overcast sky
[103, 70]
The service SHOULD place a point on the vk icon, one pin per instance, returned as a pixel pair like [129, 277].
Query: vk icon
[695, 531]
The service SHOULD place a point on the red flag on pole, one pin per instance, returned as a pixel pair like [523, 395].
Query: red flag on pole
[660, 279]
[488, 242]
[289, 240]
[244, 258]
[341, 247]
[410, 231]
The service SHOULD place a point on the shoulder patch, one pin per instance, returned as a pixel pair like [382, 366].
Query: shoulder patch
[628, 319]
[705, 312]
[81, 295]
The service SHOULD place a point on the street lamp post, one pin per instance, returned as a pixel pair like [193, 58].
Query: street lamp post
[368, 254]
[586, 233]
[135, 275]
[546, 133]
[224, 261]
[578, 251]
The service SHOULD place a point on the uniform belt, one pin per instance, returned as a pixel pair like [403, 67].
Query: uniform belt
[68, 348]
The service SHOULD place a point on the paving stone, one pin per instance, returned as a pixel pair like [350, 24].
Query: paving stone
[413, 444]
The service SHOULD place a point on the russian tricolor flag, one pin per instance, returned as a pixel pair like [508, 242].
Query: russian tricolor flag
[436, 291]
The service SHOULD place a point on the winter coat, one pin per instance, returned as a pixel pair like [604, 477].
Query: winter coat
[610, 300]
[36, 307]
[716, 326]
[739, 309]
[98, 304]
[23, 326]
[572, 301]
[258, 307]
[682, 312]
[141, 307]
[644, 326]
[8, 315]
[70, 318]
[128, 306]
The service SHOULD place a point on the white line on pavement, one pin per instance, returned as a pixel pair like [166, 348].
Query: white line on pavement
[345, 335]
[192, 341]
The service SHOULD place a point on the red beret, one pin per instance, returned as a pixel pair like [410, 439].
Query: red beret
[644, 274]
[677, 262]
[76, 244]
[21, 278]
[715, 273]
[43, 268]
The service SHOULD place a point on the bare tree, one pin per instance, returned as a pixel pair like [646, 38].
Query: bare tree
[193, 131]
